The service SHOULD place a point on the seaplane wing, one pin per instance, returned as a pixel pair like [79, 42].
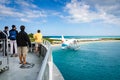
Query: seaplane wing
[69, 44]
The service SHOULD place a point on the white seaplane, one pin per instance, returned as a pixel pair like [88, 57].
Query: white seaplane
[70, 44]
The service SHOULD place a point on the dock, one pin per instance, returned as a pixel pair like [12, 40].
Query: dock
[43, 67]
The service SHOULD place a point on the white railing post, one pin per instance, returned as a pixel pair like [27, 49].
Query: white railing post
[50, 67]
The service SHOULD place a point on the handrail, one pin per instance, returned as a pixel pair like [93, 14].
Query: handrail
[5, 50]
[6, 39]
[6, 46]
[47, 61]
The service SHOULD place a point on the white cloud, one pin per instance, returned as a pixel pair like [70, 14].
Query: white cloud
[44, 21]
[25, 4]
[25, 14]
[79, 12]
[34, 14]
[6, 11]
[24, 20]
[4, 1]
[108, 15]
[83, 12]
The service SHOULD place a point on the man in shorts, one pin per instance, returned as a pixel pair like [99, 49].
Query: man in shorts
[22, 42]
[38, 40]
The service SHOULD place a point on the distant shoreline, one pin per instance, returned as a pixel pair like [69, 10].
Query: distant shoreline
[90, 41]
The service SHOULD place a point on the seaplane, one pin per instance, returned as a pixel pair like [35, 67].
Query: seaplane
[69, 44]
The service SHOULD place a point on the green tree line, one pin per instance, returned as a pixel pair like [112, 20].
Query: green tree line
[32, 39]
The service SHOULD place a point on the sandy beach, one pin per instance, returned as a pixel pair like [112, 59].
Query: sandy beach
[89, 41]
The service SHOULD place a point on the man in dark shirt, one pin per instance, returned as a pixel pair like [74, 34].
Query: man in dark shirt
[6, 36]
[22, 42]
[6, 30]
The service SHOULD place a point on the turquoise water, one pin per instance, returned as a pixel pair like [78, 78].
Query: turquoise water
[93, 61]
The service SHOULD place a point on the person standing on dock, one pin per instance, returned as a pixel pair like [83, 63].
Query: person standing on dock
[22, 42]
[6, 30]
[38, 40]
[13, 45]
[6, 36]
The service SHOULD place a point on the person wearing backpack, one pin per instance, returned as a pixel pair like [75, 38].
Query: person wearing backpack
[13, 45]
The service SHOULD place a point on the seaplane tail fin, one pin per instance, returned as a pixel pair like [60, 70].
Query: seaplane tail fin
[63, 39]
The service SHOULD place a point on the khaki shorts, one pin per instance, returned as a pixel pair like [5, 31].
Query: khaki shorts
[23, 50]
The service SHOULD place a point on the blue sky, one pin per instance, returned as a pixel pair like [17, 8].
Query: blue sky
[62, 17]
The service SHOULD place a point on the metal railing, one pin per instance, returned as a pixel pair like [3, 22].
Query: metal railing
[46, 69]
[4, 41]
[4, 59]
